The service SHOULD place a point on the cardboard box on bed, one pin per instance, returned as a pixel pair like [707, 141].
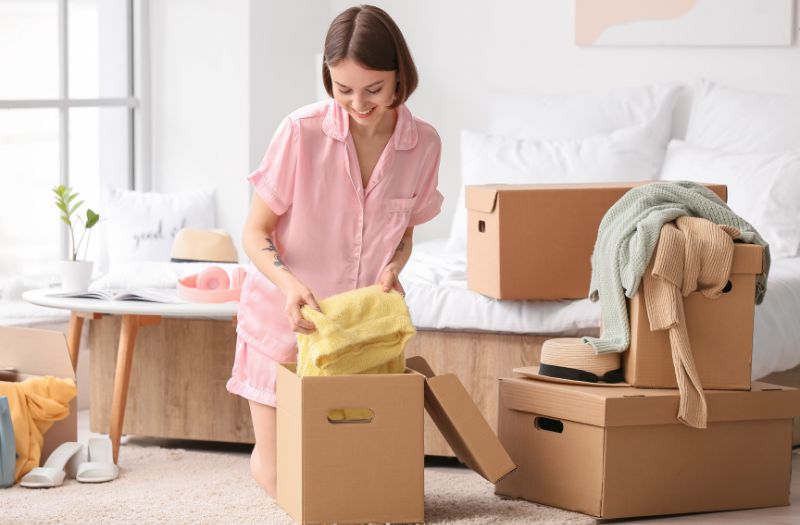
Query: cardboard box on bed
[34, 352]
[535, 241]
[720, 333]
[369, 471]
[620, 452]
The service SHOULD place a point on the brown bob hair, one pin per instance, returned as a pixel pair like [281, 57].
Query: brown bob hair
[368, 35]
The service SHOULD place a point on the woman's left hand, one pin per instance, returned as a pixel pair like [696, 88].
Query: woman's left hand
[389, 279]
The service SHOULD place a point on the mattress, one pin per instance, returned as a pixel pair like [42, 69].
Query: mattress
[435, 281]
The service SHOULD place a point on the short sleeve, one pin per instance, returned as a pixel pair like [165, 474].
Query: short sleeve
[273, 180]
[429, 200]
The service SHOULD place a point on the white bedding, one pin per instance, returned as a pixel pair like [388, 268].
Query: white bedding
[438, 298]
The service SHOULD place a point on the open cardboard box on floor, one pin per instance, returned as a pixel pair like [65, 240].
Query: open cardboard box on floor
[32, 352]
[620, 452]
[535, 241]
[720, 333]
[371, 469]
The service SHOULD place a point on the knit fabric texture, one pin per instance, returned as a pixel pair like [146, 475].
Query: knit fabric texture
[627, 236]
[35, 404]
[693, 254]
[362, 331]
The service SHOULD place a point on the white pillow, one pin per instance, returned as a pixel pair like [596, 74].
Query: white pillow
[627, 154]
[140, 226]
[579, 115]
[743, 121]
[763, 188]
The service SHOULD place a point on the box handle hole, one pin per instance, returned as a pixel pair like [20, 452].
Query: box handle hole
[549, 425]
[350, 415]
[728, 287]
[481, 226]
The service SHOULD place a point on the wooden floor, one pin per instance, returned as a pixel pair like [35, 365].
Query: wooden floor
[775, 516]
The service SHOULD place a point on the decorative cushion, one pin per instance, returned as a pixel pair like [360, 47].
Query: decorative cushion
[140, 226]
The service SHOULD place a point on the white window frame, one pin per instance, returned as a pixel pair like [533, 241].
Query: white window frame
[136, 99]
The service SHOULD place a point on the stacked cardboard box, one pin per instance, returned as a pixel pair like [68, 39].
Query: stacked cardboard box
[620, 452]
[535, 241]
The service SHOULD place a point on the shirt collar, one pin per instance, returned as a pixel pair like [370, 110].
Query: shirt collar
[337, 123]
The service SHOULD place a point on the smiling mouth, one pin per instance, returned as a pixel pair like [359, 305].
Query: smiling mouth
[364, 113]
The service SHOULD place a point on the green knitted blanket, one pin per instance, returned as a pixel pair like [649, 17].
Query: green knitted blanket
[627, 237]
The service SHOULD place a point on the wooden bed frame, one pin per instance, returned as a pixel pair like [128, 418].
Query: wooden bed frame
[180, 367]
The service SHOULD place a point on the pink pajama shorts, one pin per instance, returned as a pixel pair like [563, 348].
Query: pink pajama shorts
[253, 375]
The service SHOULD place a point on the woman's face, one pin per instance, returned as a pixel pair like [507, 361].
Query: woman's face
[364, 93]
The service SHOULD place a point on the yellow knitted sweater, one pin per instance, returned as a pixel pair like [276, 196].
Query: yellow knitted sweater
[363, 331]
[35, 404]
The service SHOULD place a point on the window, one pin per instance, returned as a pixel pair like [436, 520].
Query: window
[70, 113]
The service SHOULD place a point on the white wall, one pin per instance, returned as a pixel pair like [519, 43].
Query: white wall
[200, 101]
[205, 130]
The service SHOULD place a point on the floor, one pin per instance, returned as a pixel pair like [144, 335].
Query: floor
[789, 515]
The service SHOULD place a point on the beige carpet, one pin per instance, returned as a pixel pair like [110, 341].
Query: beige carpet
[175, 485]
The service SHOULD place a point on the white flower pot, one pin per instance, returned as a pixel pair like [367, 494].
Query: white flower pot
[75, 275]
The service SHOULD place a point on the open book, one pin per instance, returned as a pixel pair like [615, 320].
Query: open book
[153, 295]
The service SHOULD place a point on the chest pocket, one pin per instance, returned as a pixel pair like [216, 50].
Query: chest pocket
[398, 215]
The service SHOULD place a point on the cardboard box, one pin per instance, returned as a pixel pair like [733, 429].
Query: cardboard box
[371, 469]
[536, 241]
[720, 333]
[620, 452]
[33, 353]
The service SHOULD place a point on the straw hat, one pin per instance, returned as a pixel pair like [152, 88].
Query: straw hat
[197, 245]
[570, 360]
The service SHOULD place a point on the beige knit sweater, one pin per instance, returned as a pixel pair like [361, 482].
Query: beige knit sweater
[692, 254]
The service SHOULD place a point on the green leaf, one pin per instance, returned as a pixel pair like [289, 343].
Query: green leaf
[66, 220]
[71, 198]
[62, 207]
[91, 218]
[75, 207]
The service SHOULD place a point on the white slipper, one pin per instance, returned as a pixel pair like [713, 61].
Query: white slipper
[100, 467]
[63, 462]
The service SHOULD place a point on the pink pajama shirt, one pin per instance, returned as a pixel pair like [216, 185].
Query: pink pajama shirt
[333, 234]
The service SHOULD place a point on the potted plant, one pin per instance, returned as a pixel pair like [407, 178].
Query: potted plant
[76, 274]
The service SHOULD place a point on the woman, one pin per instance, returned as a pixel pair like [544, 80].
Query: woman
[337, 195]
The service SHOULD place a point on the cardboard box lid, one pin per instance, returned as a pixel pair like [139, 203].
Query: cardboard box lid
[619, 406]
[46, 352]
[483, 197]
[462, 424]
[747, 258]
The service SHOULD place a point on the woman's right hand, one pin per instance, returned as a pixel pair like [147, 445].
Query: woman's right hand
[297, 296]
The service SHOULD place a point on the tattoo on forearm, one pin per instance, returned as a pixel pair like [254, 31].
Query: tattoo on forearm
[271, 248]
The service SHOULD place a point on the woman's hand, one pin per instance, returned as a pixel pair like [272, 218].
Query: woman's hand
[298, 295]
[389, 279]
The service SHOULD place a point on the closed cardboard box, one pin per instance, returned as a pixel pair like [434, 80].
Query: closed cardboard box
[370, 469]
[720, 333]
[31, 353]
[535, 241]
[620, 452]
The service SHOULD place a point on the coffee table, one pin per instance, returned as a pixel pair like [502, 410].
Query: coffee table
[135, 314]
